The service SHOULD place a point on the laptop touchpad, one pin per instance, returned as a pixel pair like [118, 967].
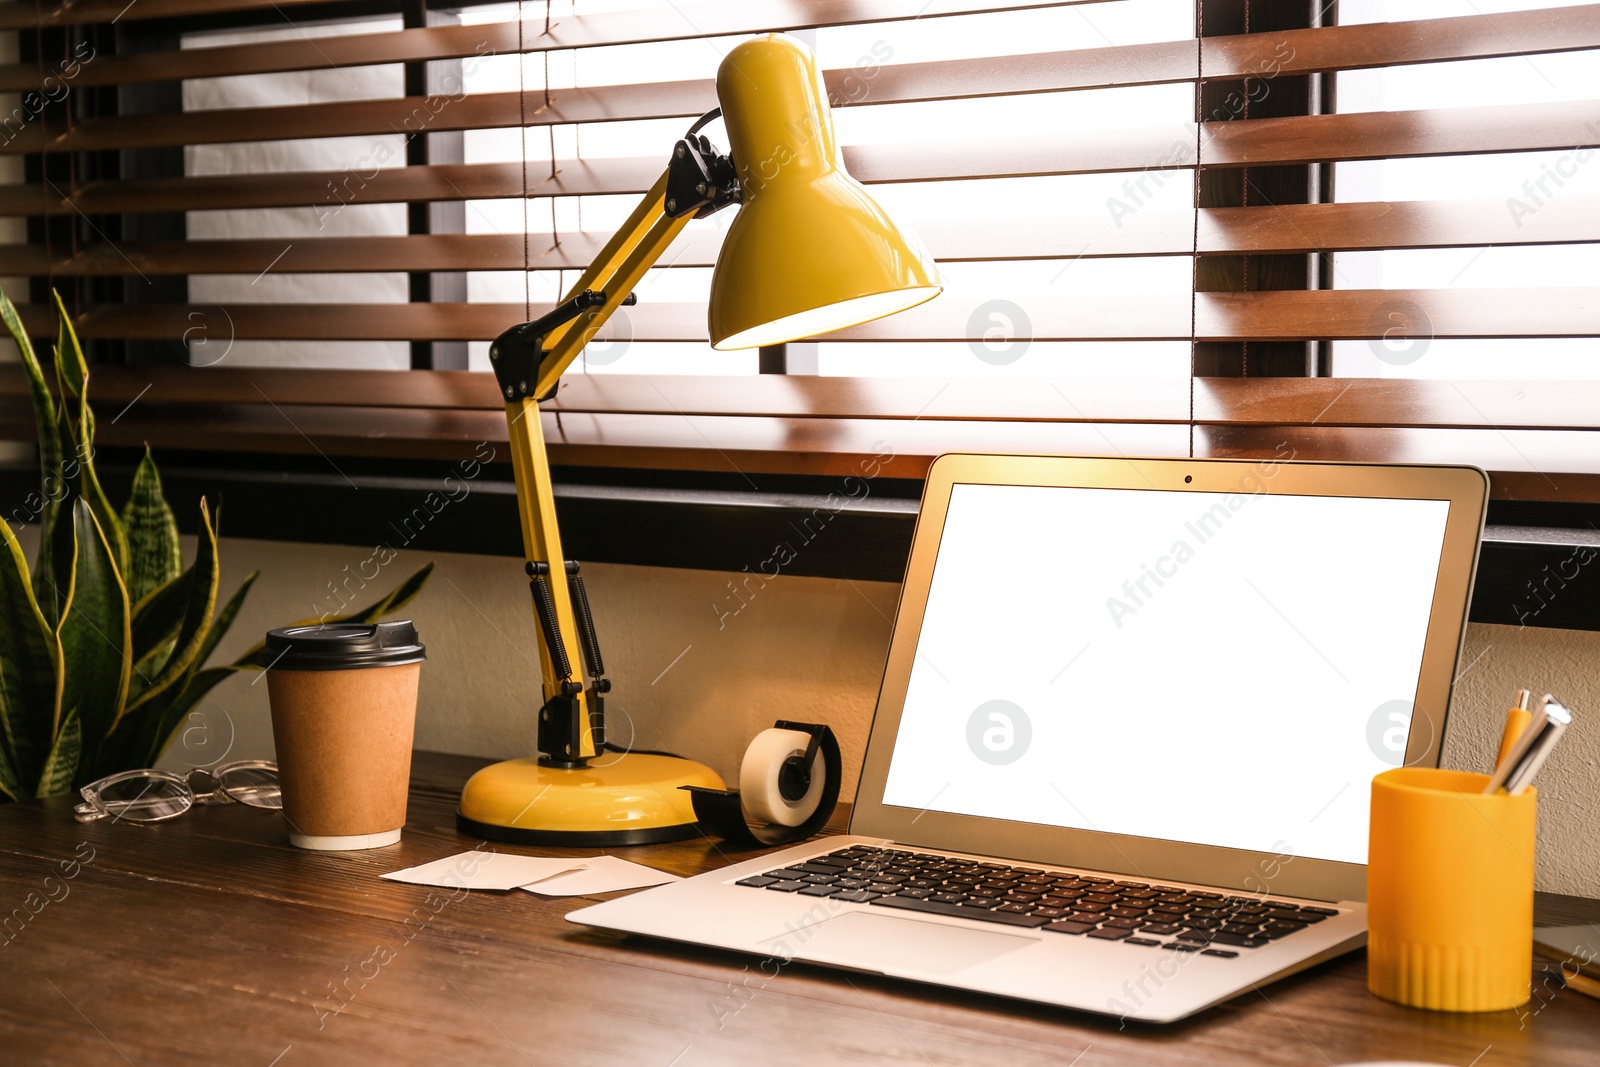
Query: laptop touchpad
[872, 942]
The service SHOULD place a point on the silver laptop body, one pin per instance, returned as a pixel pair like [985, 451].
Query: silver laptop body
[1155, 687]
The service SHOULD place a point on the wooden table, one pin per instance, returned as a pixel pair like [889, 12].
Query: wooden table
[209, 940]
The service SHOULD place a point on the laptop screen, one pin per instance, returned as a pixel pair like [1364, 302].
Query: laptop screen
[1226, 669]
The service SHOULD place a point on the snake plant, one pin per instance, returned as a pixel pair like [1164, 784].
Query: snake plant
[104, 641]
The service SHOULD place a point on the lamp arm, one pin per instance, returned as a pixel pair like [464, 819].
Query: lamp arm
[528, 361]
[699, 180]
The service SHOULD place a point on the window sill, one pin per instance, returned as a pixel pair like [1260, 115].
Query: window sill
[1527, 576]
[720, 473]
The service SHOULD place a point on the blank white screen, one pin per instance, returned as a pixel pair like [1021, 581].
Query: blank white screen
[1206, 667]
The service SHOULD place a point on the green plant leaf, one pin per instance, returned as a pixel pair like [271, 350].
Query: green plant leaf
[30, 664]
[52, 570]
[202, 601]
[200, 682]
[154, 558]
[155, 624]
[10, 787]
[173, 715]
[44, 404]
[397, 598]
[95, 631]
[224, 620]
[8, 720]
[62, 765]
[72, 370]
[90, 489]
[156, 620]
[53, 481]
[140, 737]
[160, 610]
[159, 727]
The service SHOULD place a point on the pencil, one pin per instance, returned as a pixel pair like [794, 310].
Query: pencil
[1517, 720]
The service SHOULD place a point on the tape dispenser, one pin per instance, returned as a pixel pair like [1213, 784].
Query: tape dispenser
[788, 788]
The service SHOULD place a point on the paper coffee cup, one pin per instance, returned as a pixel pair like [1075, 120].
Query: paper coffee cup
[344, 705]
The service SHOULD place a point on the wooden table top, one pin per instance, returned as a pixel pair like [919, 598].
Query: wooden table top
[209, 940]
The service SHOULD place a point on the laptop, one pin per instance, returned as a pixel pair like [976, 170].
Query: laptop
[1121, 752]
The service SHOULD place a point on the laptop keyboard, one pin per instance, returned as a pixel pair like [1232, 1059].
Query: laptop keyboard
[1137, 913]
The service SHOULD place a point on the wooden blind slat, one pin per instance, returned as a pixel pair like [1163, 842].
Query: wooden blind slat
[1403, 134]
[1545, 465]
[1275, 229]
[355, 322]
[1548, 464]
[425, 252]
[1240, 402]
[1384, 44]
[1265, 315]
[23, 14]
[1306, 139]
[581, 31]
[406, 116]
[945, 80]
[1272, 315]
[460, 42]
[1037, 72]
[1107, 318]
[1393, 224]
[1399, 402]
[815, 425]
[1292, 51]
[709, 443]
[1370, 314]
[771, 395]
[1256, 402]
[329, 191]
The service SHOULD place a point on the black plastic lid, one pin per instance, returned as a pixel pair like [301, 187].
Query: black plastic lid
[341, 646]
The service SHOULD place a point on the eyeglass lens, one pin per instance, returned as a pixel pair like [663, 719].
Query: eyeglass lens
[255, 786]
[144, 799]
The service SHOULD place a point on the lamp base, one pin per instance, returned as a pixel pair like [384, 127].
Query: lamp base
[633, 800]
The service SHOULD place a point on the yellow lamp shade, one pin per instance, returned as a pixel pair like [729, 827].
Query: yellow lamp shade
[809, 251]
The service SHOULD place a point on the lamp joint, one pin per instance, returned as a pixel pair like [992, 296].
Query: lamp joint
[558, 732]
[517, 354]
[701, 179]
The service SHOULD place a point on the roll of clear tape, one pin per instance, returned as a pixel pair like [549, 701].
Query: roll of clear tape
[758, 778]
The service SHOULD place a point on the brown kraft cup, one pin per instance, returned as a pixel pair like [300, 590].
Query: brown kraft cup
[344, 705]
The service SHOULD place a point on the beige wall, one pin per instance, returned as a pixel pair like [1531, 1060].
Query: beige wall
[689, 678]
[1498, 660]
[803, 648]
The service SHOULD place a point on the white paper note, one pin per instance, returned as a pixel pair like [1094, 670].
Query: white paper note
[602, 874]
[486, 870]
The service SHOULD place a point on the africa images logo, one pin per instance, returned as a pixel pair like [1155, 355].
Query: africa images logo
[999, 732]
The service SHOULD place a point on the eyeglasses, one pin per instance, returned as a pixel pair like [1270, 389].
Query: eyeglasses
[152, 795]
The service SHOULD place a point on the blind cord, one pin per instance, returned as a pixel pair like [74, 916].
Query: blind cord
[44, 158]
[522, 134]
[1194, 258]
[1244, 201]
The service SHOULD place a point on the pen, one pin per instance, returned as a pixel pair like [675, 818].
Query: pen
[1517, 720]
[1556, 725]
[1532, 747]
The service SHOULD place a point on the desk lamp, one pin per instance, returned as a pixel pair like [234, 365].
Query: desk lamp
[810, 252]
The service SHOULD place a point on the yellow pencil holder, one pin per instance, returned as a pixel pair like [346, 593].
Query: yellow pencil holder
[1449, 892]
